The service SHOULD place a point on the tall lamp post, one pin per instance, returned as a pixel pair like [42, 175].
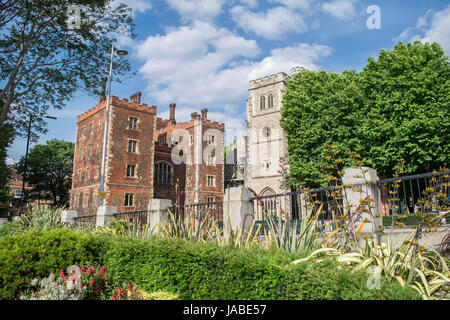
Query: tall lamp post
[105, 133]
[22, 196]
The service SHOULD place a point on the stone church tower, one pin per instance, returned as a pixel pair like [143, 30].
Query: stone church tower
[266, 142]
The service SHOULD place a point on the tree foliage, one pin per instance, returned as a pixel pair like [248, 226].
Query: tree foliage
[49, 170]
[44, 59]
[6, 138]
[407, 110]
[396, 108]
[319, 109]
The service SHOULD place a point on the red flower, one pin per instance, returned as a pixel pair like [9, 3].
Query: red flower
[92, 282]
[61, 273]
[83, 269]
[90, 269]
[114, 298]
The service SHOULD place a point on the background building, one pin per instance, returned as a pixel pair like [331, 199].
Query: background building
[139, 162]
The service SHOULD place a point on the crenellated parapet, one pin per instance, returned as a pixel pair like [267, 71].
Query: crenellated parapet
[268, 80]
[120, 102]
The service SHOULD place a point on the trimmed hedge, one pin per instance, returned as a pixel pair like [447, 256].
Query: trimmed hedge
[36, 254]
[202, 271]
[206, 271]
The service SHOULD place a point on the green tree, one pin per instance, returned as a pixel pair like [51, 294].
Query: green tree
[44, 59]
[407, 92]
[6, 138]
[49, 170]
[396, 109]
[319, 108]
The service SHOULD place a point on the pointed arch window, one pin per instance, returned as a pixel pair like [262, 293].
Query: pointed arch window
[270, 101]
[262, 102]
[269, 201]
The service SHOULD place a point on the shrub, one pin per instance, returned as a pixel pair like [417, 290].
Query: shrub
[40, 218]
[159, 295]
[93, 281]
[8, 228]
[52, 288]
[207, 271]
[36, 254]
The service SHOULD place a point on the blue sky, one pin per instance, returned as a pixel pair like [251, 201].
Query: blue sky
[202, 53]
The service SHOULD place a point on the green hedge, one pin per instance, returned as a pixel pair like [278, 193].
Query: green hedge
[36, 254]
[207, 271]
[190, 270]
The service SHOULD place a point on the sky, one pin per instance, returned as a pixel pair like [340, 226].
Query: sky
[202, 53]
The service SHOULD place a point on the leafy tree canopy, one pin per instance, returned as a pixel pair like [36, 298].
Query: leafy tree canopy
[395, 109]
[6, 138]
[45, 56]
[49, 170]
[407, 109]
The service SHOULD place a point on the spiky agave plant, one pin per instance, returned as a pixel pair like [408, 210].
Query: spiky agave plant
[40, 218]
[188, 227]
[236, 237]
[427, 271]
[296, 236]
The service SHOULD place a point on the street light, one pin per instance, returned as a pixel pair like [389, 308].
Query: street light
[22, 197]
[105, 133]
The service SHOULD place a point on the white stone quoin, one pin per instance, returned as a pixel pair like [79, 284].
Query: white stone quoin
[68, 216]
[237, 209]
[158, 213]
[364, 178]
[104, 214]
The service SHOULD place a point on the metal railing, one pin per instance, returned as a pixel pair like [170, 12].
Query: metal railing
[85, 221]
[409, 193]
[138, 218]
[297, 205]
[212, 211]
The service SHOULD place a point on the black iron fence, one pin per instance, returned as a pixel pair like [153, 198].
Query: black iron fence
[407, 191]
[85, 221]
[404, 195]
[211, 211]
[137, 218]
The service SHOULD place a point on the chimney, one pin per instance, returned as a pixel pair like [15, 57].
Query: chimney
[194, 115]
[204, 113]
[172, 113]
[102, 94]
[136, 97]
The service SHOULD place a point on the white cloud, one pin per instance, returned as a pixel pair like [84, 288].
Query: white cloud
[249, 3]
[438, 30]
[189, 63]
[205, 66]
[205, 10]
[341, 9]
[283, 59]
[140, 6]
[294, 4]
[271, 24]
[432, 27]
